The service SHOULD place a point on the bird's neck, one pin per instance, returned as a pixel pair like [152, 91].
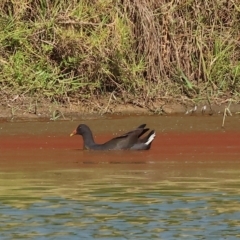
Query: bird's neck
[88, 140]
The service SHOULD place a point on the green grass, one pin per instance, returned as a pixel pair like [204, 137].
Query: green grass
[61, 50]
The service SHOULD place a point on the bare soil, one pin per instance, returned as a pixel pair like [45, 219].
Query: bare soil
[28, 109]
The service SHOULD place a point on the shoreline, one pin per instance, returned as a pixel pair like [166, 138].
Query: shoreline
[56, 111]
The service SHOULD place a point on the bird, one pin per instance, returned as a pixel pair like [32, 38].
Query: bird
[128, 141]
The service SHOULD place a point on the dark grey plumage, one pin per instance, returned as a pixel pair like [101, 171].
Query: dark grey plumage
[131, 140]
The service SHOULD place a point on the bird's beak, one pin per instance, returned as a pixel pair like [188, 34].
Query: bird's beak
[73, 133]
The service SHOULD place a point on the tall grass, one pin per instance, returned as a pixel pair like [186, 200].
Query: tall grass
[140, 50]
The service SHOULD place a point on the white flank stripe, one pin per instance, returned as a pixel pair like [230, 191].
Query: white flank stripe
[150, 139]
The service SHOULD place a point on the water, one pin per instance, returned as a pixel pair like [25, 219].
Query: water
[186, 187]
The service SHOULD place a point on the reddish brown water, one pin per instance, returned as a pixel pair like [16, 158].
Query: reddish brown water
[186, 185]
[189, 139]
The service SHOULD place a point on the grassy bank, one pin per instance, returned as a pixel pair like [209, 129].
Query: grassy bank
[136, 52]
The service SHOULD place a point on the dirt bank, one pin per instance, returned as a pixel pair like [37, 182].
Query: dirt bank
[28, 109]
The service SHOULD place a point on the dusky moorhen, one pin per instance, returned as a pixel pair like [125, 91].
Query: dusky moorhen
[130, 140]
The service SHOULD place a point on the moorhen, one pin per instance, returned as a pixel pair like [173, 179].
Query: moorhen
[130, 140]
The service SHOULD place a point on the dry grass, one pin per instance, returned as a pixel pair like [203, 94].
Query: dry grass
[140, 50]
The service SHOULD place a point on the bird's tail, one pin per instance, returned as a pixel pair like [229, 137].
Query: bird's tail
[151, 136]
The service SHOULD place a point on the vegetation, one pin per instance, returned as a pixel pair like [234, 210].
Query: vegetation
[137, 51]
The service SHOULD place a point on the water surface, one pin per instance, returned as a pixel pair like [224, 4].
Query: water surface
[185, 187]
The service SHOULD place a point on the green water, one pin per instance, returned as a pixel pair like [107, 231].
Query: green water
[123, 201]
[186, 187]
